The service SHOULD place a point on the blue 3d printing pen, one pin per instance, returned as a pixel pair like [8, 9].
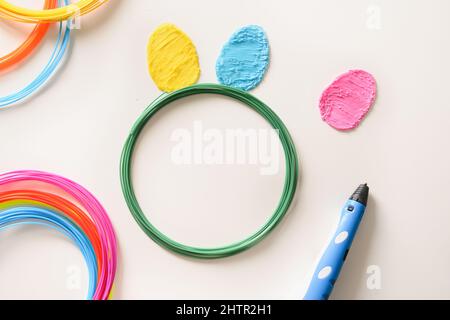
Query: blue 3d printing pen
[333, 259]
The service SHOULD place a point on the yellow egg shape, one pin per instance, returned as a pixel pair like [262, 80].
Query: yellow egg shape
[172, 58]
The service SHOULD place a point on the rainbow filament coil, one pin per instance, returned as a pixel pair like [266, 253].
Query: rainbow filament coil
[80, 217]
[56, 57]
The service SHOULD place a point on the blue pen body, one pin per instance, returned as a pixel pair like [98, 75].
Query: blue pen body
[331, 263]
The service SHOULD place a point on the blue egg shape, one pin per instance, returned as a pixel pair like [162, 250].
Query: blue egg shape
[244, 59]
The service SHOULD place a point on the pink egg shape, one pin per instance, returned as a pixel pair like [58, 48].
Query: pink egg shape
[346, 102]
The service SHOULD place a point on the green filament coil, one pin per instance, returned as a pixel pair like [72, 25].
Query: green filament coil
[290, 184]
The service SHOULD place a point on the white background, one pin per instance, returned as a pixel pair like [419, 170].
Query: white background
[77, 125]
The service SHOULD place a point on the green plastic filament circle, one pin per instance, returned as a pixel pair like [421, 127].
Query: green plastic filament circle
[287, 196]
